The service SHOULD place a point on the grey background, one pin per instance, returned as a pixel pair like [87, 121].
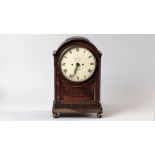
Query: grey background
[26, 76]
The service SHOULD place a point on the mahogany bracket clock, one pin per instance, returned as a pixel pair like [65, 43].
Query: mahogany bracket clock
[77, 71]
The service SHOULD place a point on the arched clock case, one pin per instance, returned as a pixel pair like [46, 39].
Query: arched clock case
[77, 71]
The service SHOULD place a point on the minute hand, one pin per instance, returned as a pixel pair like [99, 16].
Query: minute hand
[77, 65]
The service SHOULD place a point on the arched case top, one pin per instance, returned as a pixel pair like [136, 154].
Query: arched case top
[77, 41]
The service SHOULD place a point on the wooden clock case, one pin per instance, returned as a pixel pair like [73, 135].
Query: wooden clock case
[76, 97]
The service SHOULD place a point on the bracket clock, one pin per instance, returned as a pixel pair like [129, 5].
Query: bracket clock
[77, 71]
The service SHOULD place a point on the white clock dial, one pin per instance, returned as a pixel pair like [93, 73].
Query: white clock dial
[78, 64]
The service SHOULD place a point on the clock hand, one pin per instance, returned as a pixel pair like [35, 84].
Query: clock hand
[76, 68]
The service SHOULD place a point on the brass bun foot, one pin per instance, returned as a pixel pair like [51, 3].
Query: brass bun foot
[55, 115]
[99, 115]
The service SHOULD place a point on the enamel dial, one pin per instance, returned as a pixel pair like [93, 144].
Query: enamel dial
[77, 64]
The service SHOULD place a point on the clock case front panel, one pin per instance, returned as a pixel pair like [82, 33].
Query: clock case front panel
[76, 96]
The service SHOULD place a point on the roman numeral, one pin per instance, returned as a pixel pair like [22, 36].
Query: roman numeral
[65, 57]
[70, 76]
[91, 63]
[65, 70]
[63, 64]
[70, 51]
[90, 56]
[89, 70]
[77, 49]
[84, 76]
[77, 77]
